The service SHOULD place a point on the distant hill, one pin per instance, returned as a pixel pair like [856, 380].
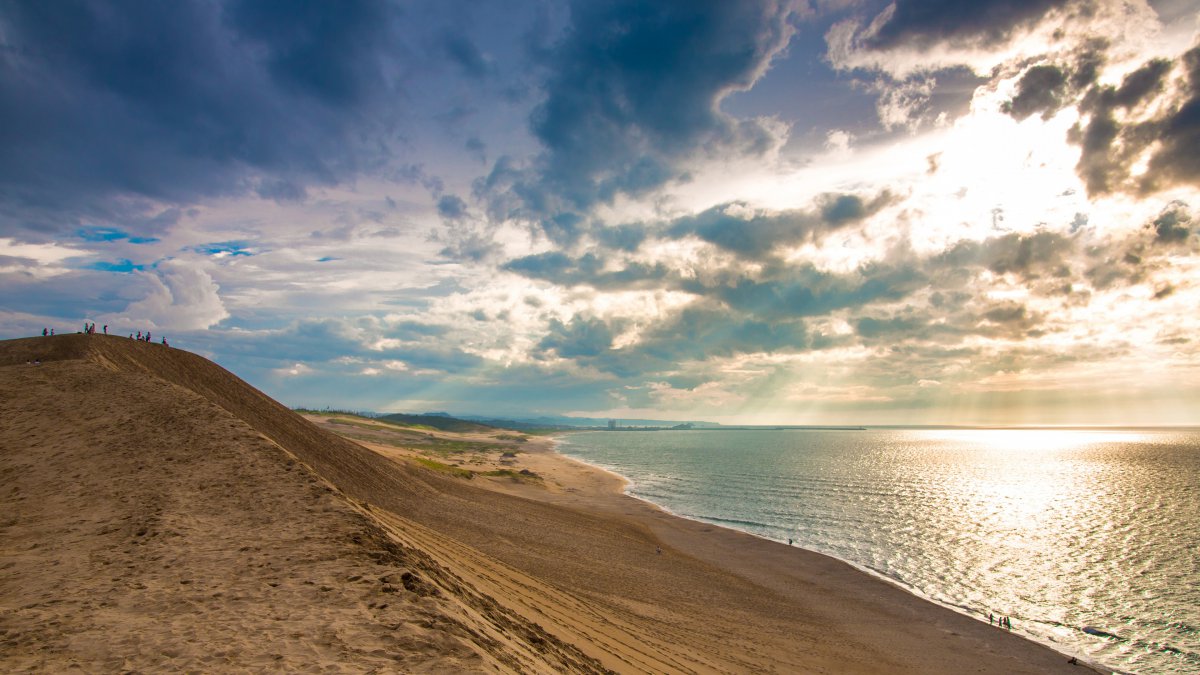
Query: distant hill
[437, 421]
[564, 422]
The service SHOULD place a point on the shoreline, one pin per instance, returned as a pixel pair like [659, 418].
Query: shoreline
[628, 484]
[662, 591]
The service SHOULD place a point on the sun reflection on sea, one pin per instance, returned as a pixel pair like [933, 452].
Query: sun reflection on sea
[1026, 490]
[1031, 440]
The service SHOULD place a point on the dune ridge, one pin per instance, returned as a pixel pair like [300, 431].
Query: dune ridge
[162, 514]
[158, 514]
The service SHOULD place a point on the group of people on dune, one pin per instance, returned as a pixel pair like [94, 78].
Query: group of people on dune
[90, 329]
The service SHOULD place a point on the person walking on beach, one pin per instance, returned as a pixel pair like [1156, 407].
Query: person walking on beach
[45, 332]
[990, 619]
[106, 329]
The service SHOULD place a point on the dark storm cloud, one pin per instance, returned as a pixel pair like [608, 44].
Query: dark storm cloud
[632, 89]
[1177, 161]
[922, 23]
[1173, 225]
[1113, 139]
[1048, 87]
[104, 102]
[1042, 89]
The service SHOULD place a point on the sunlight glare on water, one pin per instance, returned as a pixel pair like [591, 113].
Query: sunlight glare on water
[1087, 538]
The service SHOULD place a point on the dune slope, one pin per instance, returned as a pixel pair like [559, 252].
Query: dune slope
[158, 513]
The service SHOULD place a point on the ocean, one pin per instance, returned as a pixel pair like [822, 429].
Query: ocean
[1088, 539]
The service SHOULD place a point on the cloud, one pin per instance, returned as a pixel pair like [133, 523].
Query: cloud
[1173, 225]
[697, 334]
[922, 23]
[804, 290]
[109, 108]
[588, 270]
[632, 91]
[451, 207]
[917, 36]
[181, 297]
[582, 337]
[1042, 89]
[757, 234]
[1113, 139]
[1028, 256]
[1176, 162]
[463, 52]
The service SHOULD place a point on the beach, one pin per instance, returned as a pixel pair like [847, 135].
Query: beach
[770, 607]
[160, 514]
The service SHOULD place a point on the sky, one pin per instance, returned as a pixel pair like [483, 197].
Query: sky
[752, 212]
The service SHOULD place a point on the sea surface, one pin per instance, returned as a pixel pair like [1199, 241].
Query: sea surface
[1088, 539]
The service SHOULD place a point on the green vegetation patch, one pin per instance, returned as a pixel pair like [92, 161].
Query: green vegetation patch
[456, 471]
[513, 437]
[522, 475]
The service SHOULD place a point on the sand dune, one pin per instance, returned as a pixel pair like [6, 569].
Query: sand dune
[157, 513]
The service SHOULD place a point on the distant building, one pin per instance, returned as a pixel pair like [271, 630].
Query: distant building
[612, 425]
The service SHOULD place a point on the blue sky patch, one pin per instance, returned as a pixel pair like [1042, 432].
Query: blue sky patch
[222, 249]
[123, 266]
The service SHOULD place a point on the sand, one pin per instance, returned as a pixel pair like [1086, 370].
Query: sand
[156, 513]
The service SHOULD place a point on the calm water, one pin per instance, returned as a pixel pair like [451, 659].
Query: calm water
[1088, 540]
